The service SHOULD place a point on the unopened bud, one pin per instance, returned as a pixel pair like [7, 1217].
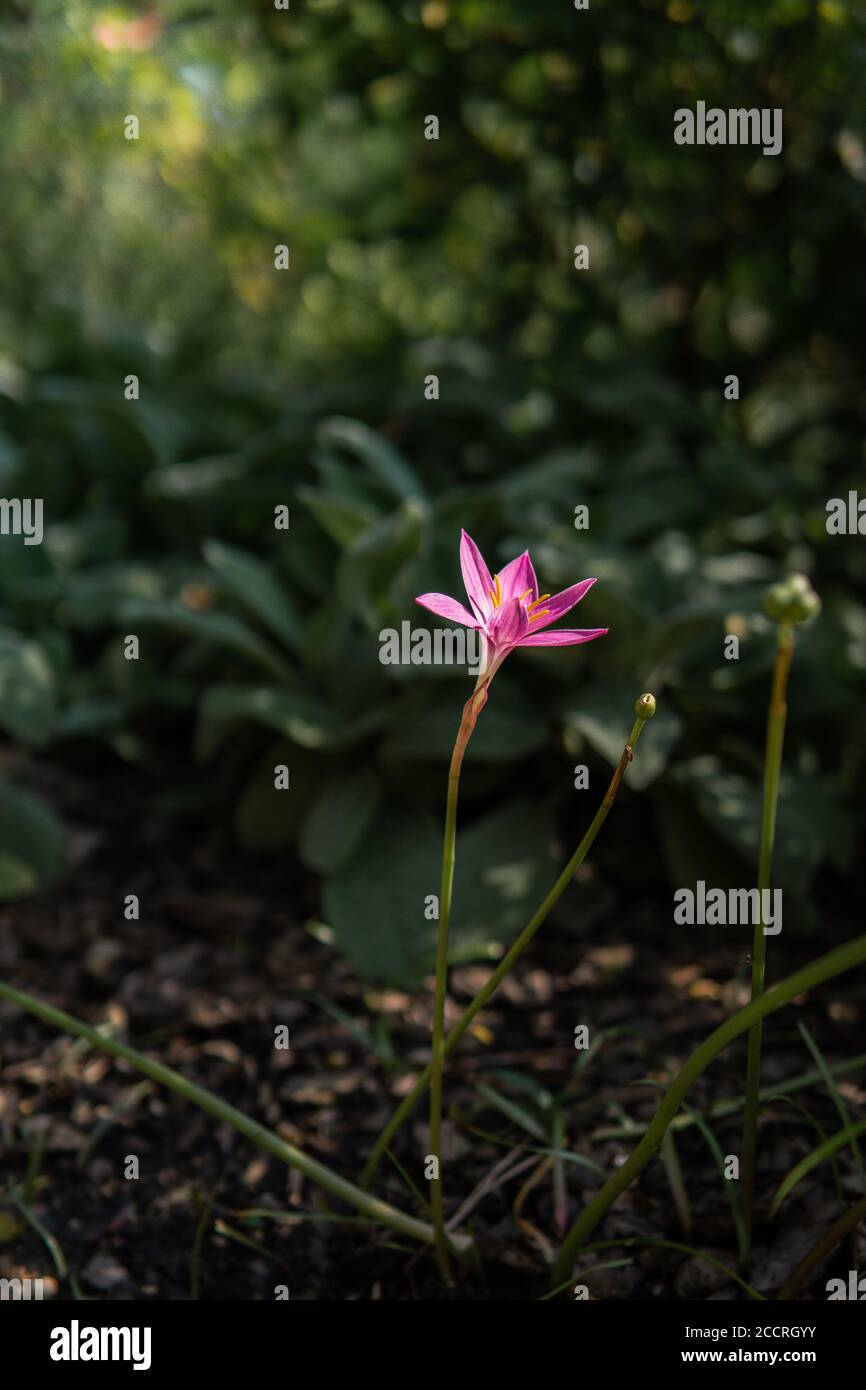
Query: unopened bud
[793, 600]
[645, 707]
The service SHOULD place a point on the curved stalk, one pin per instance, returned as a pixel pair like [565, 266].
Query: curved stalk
[816, 973]
[772, 770]
[317, 1172]
[407, 1105]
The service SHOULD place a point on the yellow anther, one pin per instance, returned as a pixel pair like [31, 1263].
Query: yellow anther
[537, 601]
[496, 592]
[540, 614]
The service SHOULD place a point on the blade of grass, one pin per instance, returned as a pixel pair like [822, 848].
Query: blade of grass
[841, 1109]
[673, 1170]
[222, 1228]
[34, 1166]
[538, 1238]
[723, 1108]
[560, 1194]
[264, 1138]
[498, 1175]
[799, 1171]
[384, 1047]
[674, 1173]
[413, 1187]
[355, 1029]
[625, 1242]
[567, 1155]
[825, 1246]
[809, 977]
[543, 1098]
[822, 1136]
[107, 1123]
[730, 1187]
[48, 1240]
[512, 1111]
[297, 1218]
[206, 1207]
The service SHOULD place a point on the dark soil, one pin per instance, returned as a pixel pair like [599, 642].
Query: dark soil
[223, 952]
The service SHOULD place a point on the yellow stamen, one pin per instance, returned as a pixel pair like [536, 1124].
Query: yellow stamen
[540, 614]
[496, 592]
[539, 600]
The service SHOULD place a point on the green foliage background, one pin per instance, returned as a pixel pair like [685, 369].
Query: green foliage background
[154, 256]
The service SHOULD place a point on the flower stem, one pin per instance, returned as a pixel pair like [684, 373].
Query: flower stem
[266, 1139]
[816, 973]
[825, 1247]
[407, 1105]
[471, 710]
[772, 768]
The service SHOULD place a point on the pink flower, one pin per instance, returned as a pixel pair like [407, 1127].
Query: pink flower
[507, 609]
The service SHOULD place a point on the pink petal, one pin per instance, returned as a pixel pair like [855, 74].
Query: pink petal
[518, 576]
[560, 604]
[507, 624]
[563, 637]
[446, 607]
[476, 576]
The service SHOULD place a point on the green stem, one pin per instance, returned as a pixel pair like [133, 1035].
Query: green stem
[816, 973]
[772, 769]
[471, 710]
[407, 1105]
[826, 1245]
[325, 1177]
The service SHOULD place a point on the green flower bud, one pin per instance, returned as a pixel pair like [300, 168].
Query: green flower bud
[793, 600]
[645, 707]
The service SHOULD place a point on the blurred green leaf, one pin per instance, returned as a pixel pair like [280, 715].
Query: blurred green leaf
[255, 585]
[196, 482]
[342, 520]
[267, 819]
[27, 689]
[215, 629]
[807, 827]
[380, 457]
[302, 718]
[32, 843]
[375, 904]
[508, 731]
[337, 820]
[374, 562]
